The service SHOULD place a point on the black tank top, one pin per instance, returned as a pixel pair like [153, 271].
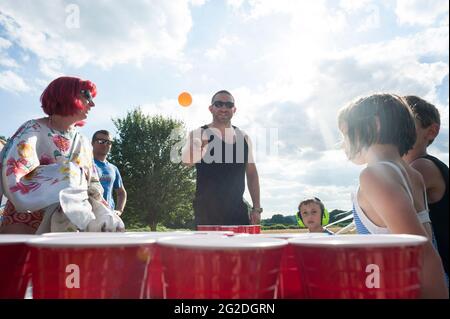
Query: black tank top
[221, 181]
[439, 215]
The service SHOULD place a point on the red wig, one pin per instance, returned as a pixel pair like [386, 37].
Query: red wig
[61, 96]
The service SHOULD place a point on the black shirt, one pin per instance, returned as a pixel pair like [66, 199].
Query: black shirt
[439, 214]
[221, 181]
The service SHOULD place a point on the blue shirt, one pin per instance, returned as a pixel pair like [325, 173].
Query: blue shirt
[110, 179]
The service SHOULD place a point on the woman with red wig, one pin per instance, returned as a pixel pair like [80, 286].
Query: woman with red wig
[46, 159]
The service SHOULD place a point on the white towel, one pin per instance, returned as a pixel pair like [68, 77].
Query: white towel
[80, 210]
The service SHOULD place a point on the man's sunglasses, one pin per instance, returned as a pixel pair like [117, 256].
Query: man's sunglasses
[220, 104]
[103, 141]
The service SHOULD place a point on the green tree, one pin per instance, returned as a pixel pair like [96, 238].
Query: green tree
[277, 219]
[159, 189]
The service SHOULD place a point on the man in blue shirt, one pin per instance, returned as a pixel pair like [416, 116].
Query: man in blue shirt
[109, 174]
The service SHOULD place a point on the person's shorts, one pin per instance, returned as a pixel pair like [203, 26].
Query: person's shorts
[11, 216]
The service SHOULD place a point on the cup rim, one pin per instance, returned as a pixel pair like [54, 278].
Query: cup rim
[90, 242]
[82, 234]
[164, 233]
[6, 239]
[222, 243]
[362, 241]
[292, 235]
[214, 232]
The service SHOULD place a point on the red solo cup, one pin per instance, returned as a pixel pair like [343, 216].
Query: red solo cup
[208, 227]
[82, 267]
[240, 229]
[254, 229]
[361, 266]
[14, 266]
[220, 267]
[291, 284]
[154, 272]
[232, 228]
[215, 233]
[246, 229]
[154, 286]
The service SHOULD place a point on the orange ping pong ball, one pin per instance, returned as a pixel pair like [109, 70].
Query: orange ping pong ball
[185, 99]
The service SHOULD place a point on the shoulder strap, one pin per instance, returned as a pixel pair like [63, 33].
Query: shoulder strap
[400, 173]
[425, 198]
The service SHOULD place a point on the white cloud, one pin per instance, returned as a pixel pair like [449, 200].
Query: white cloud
[4, 43]
[354, 5]
[235, 4]
[287, 180]
[366, 12]
[108, 33]
[420, 12]
[219, 51]
[5, 60]
[429, 42]
[197, 3]
[12, 82]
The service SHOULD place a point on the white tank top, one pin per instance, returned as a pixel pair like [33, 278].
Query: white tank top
[424, 216]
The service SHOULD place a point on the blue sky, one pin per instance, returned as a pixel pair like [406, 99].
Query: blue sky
[290, 65]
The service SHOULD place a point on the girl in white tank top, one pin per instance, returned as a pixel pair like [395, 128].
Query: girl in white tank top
[378, 130]
[365, 226]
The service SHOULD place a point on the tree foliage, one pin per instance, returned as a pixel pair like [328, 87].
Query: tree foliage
[159, 189]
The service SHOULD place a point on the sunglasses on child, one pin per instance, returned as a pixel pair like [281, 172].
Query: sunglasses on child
[103, 141]
[220, 104]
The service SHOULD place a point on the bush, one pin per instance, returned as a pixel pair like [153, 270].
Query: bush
[159, 228]
[277, 226]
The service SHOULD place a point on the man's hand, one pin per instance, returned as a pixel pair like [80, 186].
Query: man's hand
[255, 216]
[193, 151]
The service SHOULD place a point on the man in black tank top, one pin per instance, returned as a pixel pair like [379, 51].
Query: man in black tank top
[434, 171]
[223, 158]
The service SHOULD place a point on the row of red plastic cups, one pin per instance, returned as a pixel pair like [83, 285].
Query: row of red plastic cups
[238, 229]
[187, 266]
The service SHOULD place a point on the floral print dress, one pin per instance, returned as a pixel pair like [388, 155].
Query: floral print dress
[37, 163]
